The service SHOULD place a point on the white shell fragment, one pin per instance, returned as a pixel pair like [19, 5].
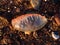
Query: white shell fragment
[29, 22]
[35, 4]
[55, 35]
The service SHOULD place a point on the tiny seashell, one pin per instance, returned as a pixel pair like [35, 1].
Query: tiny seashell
[35, 4]
[3, 22]
[29, 22]
[55, 35]
[57, 19]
